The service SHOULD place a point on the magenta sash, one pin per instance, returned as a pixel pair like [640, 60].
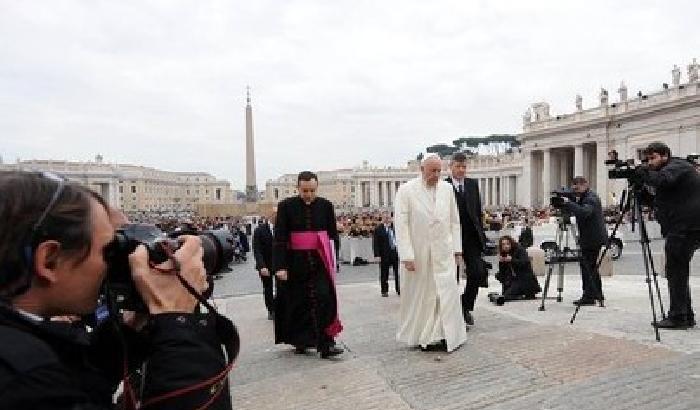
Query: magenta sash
[320, 242]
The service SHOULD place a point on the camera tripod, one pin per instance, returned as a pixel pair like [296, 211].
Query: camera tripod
[562, 237]
[630, 201]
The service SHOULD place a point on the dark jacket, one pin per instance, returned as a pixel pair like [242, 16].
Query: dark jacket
[517, 274]
[381, 243]
[470, 212]
[677, 199]
[589, 220]
[262, 246]
[526, 239]
[243, 238]
[50, 365]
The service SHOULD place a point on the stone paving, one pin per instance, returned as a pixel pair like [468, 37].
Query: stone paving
[516, 357]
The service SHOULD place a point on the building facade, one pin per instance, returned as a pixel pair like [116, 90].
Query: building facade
[366, 187]
[557, 148]
[135, 188]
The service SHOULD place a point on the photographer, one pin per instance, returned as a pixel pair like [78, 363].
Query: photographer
[52, 265]
[586, 207]
[515, 272]
[677, 206]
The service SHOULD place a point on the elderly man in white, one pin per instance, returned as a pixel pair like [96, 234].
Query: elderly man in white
[429, 244]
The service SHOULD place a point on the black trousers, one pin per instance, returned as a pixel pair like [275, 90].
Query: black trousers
[679, 251]
[267, 292]
[472, 256]
[590, 277]
[391, 261]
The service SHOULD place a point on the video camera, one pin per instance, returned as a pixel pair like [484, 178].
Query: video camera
[557, 198]
[119, 286]
[625, 170]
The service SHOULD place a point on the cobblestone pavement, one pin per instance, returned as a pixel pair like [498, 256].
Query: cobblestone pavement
[516, 357]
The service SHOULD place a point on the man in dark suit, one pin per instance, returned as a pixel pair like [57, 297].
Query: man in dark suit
[384, 244]
[262, 250]
[473, 237]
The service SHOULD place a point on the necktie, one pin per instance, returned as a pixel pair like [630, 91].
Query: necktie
[460, 189]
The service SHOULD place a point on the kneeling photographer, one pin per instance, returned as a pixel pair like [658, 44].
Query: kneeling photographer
[514, 272]
[677, 204]
[585, 205]
[55, 240]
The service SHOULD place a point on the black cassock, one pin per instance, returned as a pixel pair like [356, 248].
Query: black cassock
[306, 303]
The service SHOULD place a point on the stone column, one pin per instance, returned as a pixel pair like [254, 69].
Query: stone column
[380, 194]
[389, 194]
[602, 172]
[482, 189]
[546, 172]
[578, 160]
[490, 189]
[373, 194]
[498, 191]
[358, 194]
[523, 196]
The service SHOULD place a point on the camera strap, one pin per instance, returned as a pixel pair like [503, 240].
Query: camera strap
[229, 338]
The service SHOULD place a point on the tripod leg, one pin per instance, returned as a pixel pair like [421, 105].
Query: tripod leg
[646, 255]
[560, 282]
[655, 276]
[546, 285]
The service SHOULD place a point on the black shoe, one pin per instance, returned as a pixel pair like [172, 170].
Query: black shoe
[300, 349]
[584, 302]
[398, 293]
[385, 295]
[669, 323]
[331, 351]
[468, 319]
[440, 346]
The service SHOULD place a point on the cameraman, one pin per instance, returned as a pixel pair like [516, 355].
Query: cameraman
[53, 241]
[677, 205]
[586, 207]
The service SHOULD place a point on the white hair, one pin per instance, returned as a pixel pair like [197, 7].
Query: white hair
[431, 157]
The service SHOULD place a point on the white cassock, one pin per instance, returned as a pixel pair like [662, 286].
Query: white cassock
[428, 232]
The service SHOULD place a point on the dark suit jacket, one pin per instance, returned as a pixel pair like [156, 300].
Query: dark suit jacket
[469, 206]
[381, 243]
[262, 246]
[589, 220]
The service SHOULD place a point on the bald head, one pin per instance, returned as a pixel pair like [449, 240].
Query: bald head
[430, 169]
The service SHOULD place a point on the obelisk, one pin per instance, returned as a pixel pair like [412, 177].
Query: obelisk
[251, 188]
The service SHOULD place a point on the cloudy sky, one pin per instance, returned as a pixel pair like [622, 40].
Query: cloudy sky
[162, 83]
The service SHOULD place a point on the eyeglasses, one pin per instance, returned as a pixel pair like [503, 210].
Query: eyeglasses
[61, 181]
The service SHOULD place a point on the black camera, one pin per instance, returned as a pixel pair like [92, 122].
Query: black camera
[625, 170]
[217, 254]
[557, 198]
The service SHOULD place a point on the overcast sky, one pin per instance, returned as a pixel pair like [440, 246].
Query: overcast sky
[162, 83]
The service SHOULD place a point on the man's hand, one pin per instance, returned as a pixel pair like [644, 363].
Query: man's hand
[264, 272]
[281, 274]
[458, 258]
[506, 258]
[409, 265]
[163, 292]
